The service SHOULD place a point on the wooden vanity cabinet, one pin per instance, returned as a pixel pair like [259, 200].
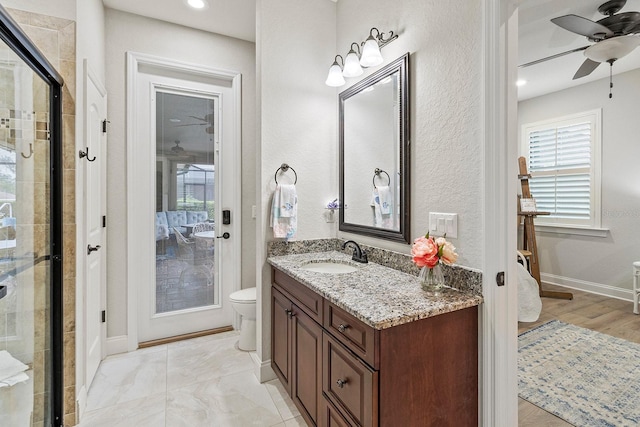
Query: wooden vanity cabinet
[296, 355]
[421, 373]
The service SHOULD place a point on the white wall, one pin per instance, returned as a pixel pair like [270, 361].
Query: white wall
[296, 45]
[127, 32]
[445, 104]
[596, 260]
[59, 8]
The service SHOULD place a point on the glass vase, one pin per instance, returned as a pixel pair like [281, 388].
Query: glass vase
[432, 279]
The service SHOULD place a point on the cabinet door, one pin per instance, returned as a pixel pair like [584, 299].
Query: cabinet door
[349, 383]
[307, 365]
[281, 337]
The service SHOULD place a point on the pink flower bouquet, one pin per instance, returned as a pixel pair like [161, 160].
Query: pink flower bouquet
[428, 251]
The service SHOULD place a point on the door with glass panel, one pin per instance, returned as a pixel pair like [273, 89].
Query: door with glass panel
[187, 291]
[29, 269]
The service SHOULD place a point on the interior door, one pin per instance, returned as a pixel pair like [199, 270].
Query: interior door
[186, 263]
[94, 164]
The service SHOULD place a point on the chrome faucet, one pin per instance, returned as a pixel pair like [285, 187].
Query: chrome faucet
[358, 254]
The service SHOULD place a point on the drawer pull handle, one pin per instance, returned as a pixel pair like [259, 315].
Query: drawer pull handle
[289, 313]
[342, 327]
[341, 382]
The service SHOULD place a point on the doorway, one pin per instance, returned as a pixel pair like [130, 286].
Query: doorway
[183, 242]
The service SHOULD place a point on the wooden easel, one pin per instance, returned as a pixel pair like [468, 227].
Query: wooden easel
[529, 237]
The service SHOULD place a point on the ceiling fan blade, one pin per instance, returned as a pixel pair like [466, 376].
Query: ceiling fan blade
[191, 124]
[583, 26]
[586, 68]
[557, 55]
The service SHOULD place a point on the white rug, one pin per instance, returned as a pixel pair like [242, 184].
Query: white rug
[584, 377]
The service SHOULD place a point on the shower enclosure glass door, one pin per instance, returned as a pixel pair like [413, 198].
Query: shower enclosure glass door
[29, 348]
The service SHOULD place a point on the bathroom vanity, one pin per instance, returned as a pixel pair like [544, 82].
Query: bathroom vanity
[369, 347]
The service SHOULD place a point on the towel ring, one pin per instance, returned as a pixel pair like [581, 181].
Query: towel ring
[377, 173]
[285, 167]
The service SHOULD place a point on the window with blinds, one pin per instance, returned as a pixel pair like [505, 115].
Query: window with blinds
[563, 157]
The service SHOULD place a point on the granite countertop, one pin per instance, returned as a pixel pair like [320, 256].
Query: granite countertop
[379, 296]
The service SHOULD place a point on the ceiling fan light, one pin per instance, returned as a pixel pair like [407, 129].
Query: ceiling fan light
[612, 48]
[371, 55]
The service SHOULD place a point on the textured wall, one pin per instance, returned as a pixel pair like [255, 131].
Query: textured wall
[604, 261]
[127, 32]
[295, 45]
[445, 89]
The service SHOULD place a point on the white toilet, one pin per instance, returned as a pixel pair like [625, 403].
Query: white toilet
[244, 303]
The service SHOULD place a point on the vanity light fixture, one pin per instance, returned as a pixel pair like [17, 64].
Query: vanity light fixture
[335, 77]
[369, 57]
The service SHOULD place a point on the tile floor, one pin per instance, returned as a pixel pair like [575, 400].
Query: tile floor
[200, 382]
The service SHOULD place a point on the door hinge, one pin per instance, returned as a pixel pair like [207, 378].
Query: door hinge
[104, 221]
[104, 125]
[500, 278]
[104, 316]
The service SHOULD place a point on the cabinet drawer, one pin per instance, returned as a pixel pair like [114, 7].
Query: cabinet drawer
[352, 332]
[308, 301]
[331, 417]
[349, 383]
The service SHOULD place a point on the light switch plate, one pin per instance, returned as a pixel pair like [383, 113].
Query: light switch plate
[443, 223]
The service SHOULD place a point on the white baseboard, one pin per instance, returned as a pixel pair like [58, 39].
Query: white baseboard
[263, 370]
[591, 287]
[81, 403]
[117, 345]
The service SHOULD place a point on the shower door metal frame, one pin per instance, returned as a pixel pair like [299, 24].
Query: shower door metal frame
[17, 40]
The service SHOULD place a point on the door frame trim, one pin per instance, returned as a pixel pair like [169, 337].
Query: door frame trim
[134, 60]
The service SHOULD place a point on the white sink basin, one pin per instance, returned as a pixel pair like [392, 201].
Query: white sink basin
[329, 267]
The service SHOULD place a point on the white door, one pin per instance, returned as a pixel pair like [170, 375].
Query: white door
[94, 165]
[184, 176]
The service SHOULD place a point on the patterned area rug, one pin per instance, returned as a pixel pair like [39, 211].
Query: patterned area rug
[584, 377]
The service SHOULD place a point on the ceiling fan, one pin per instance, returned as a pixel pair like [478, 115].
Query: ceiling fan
[178, 151]
[613, 36]
[207, 120]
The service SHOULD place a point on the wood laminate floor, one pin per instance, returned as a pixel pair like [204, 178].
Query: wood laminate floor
[599, 313]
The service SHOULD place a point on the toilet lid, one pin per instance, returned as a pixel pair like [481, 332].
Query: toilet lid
[244, 295]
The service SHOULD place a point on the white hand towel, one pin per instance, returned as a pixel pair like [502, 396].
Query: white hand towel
[288, 201]
[386, 200]
[10, 366]
[284, 210]
[11, 381]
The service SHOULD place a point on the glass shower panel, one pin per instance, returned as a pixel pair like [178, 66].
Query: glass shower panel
[185, 201]
[25, 276]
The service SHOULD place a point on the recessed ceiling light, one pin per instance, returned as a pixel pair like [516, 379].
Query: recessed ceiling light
[197, 4]
[521, 82]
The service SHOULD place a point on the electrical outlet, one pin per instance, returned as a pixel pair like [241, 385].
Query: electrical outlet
[443, 223]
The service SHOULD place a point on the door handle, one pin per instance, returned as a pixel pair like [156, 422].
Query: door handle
[225, 236]
[92, 249]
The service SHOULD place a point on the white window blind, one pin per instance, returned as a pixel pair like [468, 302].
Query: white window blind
[563, 155]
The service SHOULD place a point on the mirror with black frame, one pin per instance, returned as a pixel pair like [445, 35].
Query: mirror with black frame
[374, 154]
